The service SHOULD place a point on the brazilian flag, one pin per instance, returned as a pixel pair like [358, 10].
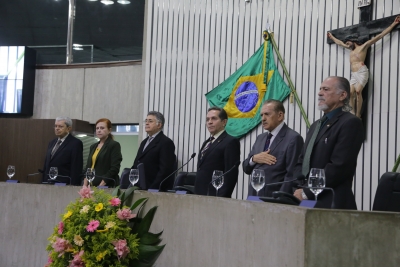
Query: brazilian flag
[242, 94]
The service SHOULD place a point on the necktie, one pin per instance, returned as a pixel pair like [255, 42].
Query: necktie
[56, 147]
[148, 142]
[307, 156]
[268, 142]
[207, 146]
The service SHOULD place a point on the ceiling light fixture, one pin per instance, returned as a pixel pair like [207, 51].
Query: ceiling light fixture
[107, 2]
[124, 2]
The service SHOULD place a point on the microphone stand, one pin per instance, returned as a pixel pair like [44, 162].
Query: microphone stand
[191, 157]
[31, 174]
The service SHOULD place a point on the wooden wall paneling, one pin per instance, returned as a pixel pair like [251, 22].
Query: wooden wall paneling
[24, 144]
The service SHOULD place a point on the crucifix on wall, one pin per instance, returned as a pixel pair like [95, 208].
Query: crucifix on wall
[357, 39]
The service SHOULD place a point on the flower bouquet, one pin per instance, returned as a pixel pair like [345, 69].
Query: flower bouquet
[98, 229]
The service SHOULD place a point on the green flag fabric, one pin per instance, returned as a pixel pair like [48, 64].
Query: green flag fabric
[242, 93]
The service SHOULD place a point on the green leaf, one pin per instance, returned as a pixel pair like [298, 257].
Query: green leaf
[145, 224]
[138, 202]
[149, 254]
[127, 192]
[116, 192]
[151, 239]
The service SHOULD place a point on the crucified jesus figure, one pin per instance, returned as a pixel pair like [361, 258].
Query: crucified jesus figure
[359, 72]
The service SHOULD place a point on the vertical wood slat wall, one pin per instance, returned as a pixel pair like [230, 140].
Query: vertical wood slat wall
[194, 45]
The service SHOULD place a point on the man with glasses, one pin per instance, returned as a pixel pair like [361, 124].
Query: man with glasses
[156, 152]
[65, 153]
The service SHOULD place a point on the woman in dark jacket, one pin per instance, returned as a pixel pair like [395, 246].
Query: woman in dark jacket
[104, 156]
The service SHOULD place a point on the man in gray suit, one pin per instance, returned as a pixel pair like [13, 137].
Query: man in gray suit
[275, 151]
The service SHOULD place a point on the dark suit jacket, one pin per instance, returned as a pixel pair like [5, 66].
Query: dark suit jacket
[335, 150]
[286, 147]
[68, 159]
[158, 159]
[108, 161]
[222, 155]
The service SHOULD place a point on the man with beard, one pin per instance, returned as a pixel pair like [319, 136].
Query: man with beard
[332, 144]
[359, 72]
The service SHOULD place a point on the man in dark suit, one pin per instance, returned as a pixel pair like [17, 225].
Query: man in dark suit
[157, 153]
[65, 153]
[276, 151]
[338, 138]
[220, 152]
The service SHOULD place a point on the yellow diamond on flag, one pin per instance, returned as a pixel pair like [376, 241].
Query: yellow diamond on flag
[247, 96]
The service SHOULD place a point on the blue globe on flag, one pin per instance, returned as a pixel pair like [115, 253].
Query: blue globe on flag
[246, 96]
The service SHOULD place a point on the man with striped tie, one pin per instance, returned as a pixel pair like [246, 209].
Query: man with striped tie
[64, 152]
[219, 152]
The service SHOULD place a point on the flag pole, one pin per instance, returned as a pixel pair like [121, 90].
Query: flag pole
[396, 165]
[270, 35]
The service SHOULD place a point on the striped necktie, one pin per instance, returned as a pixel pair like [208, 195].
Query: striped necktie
[210, 140]
[58, 144]
[268, 142]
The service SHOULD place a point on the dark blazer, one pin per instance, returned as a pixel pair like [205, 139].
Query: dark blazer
[158, 159]
[335, 150]
[222, 155]
[68, 159]
[108, 161]
[286, 147]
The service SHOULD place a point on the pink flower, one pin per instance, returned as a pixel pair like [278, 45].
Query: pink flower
[60, 228]
[125, 214]
[121, 248]
[49, 262]
[61, 245]
[77, 260]
[85, 192]
[115, 202]
[92, 226]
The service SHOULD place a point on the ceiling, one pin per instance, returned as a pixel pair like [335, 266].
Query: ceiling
[111, 32]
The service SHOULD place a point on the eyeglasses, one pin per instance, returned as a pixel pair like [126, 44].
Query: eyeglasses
[149, 121]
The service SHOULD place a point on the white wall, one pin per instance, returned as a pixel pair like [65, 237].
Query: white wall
[90, 93]
[193, 45]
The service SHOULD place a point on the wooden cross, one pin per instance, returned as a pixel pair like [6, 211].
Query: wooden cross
[364, 30]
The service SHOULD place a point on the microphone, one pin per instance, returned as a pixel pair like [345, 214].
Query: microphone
[324, 188]
[300, 177]
[160, 188]
[228, 171]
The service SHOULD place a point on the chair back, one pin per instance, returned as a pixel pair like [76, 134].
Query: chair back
[387, 197]
[124, 181]
[185, 180]
[142, 176]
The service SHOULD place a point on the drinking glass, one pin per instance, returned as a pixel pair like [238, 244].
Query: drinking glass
[316, 179]
[257, 179]
[10, 171]
[134, 176]
[53, 173]
[217, 180]
[90, 175]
